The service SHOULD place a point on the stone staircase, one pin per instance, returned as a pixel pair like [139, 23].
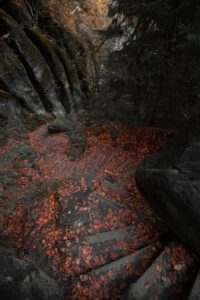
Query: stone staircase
[80, 219]
[111, 260]
[94, 233]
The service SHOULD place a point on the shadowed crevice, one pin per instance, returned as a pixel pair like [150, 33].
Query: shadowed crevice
[4, 88]
[39, 89]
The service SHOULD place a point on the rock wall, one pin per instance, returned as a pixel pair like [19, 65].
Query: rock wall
[39, 66]
[170, 181]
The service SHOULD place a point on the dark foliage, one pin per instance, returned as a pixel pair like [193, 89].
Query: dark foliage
[160, 58]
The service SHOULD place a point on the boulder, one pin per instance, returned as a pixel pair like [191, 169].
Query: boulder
[61, 125]
[170, 181]
[76, 135]
[21, 280]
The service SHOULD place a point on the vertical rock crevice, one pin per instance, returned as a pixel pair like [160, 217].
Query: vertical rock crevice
[14, 77]
[44, 46]
[36, 62]
[49, 56]
[35, 83]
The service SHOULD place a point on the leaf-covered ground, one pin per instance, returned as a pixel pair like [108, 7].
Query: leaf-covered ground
[79, 215]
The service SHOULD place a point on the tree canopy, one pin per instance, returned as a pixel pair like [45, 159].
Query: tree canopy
[159, 61]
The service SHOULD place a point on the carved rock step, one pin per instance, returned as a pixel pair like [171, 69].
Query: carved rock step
[94, 251]
[97, 250]
[89, 213]
[108, 281]
[165, 278]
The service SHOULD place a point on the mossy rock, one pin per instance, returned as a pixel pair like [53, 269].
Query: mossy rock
[76, 136]
[61, 125]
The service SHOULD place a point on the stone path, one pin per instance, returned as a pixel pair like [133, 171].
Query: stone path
[82, 220]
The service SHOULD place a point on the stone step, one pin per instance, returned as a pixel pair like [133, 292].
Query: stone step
[90, 213]
[125, 164]
[100, 162]
[89, 178]
[74, 169]
[165, 278]
[93, 251]
[114, 187]
[93, 221]
[121, 234]
[107, 162]
[88, 164]
[108, 281]
[97, 162]
[109, 202]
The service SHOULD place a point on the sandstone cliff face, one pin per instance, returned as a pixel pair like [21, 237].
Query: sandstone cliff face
[48, 53]
[81, 20]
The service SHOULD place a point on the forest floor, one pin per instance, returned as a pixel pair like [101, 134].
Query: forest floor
[79, 215]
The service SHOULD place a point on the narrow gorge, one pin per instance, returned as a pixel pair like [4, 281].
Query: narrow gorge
[99, 150]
